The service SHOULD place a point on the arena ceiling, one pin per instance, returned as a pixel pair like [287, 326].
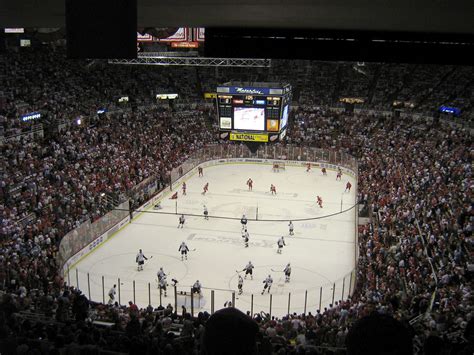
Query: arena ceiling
[437, 16]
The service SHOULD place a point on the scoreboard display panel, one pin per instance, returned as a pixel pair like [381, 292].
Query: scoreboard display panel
[248, 109]
[249, 118]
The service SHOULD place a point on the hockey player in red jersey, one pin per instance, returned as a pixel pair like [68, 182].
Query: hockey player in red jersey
[250, 184]
[308, 167]
[319, 201]
[348, 187]
[273, 189]
[323, 170]
[206, 188]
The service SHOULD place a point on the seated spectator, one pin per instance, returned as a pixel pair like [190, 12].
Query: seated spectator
[378, 335]
[229, 332]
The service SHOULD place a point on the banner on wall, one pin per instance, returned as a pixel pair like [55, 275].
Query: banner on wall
[184, 44]
[249, 137]
[181, 35]
[199, 34]
[30, 116]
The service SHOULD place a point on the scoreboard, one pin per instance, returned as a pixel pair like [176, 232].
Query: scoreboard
[253, 112]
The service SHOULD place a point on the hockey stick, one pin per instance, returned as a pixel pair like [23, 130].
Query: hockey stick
[277, 270]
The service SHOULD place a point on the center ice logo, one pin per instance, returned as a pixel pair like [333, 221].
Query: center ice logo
[228, 240]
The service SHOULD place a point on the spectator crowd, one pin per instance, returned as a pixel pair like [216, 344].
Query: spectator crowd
[415, 177]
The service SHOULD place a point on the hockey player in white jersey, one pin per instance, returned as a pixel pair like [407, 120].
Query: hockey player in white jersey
[162, 285]
[281, 243]
[290, 228]
[243, 221]
[240, 284]
[111, 294]
[245, 235]
[248, 270]
[197, 287]
[183, 248]
[267, 284]
[287, 271]
[181, 221]
[140, 259]
[160, 274]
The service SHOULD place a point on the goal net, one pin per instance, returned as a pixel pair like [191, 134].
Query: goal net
[277, 167]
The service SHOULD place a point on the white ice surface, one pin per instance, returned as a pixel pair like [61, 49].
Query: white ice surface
[321, 253]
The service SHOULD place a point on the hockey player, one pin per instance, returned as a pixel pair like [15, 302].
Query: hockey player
[287, 271]
[140, 259]
[183, 248]
[273, 189]
[245, 235]
[267, 284]
[162, 285]
[111, 294]
[240, 284]
[181, 221]
[250, 184]
[183, 187]
[281, 243]
[248, 270]
[308, 167]
[200, 173]
[160, 274]
[339, 174]
[348, 187]
[319, 201]
[290, 228]
[323, 170]
[206, 213]
[243, 221]
[205, 188]
[197, 287]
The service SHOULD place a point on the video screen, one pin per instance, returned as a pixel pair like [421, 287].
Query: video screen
[249, 118]
[284, 117]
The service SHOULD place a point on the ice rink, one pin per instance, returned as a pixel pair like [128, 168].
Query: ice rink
[321, 252]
